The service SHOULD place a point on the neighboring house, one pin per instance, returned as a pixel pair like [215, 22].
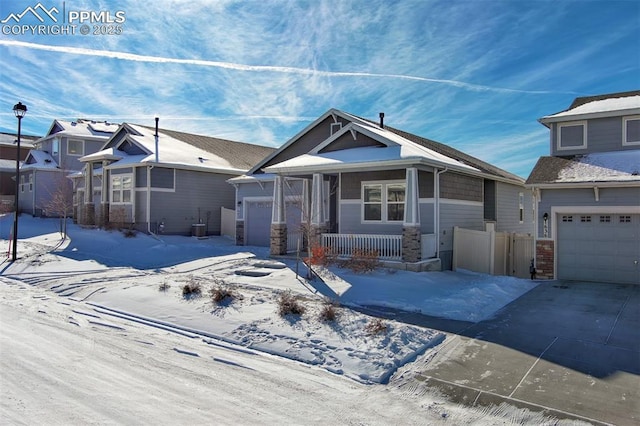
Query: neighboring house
[588, 191]
[365, 185]
[43, 176]
[8, 149]
[161, 181]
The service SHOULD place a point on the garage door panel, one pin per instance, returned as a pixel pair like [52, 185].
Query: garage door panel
[601, 247]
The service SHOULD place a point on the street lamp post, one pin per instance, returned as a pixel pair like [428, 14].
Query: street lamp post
[19, 110]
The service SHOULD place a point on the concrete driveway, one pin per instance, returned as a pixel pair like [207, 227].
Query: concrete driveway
[571, 349]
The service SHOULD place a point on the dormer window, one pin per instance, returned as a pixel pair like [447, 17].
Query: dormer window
[572, 135]
[631, 130]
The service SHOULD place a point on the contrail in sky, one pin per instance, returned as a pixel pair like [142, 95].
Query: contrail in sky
[256, 68]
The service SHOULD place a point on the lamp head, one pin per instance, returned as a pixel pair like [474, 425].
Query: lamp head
[20, 110]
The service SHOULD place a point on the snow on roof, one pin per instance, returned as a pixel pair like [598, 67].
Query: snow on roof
[170, 151]
[87, 128]
[603, 166]
[8, 165]
[397, 149]
[600, 106]
[39, 160]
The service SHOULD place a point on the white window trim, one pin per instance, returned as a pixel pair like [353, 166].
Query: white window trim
[132, 189]
[31, 183]
[81, 144]
[21, 183]
[521, 207]
[384, 201]
[625, 142]
[559, 146]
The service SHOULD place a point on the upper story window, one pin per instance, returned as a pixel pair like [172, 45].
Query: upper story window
[75, 147]
[383, 202]
[572, 135]
[631, 130]
[55, 147]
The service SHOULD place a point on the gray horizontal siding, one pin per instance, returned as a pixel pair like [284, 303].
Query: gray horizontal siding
[508, 211]
[582, 197]
[198, 197]
[603, 134]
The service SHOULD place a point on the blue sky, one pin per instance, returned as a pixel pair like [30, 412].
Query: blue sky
[474, 74]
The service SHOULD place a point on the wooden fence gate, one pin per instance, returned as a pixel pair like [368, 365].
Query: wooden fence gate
[495, 253]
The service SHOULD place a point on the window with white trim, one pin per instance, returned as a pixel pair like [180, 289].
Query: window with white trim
[21, 183]
[55, 147]
[75, 147]
[572, 135]
[383, 202]
[631, 130]
[121, 186]
[30, 183]
[521, 207]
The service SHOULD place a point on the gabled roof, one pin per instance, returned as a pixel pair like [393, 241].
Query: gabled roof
[134, 143]
[617, 167]
[612, 104]
[11, 139]
[83, 128]
[40, 160]
[399, 148]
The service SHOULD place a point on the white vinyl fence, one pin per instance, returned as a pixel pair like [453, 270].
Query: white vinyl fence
[489, 252]
[228, 223]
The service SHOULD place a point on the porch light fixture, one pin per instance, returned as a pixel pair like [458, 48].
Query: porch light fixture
[20, 111]
[545, 225]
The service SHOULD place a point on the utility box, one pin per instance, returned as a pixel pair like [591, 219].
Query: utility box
[198, 230]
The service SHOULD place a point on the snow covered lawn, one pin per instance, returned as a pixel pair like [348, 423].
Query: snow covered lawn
[142, 279]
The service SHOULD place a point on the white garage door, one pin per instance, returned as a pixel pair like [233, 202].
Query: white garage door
[258, 223]
[599, 247]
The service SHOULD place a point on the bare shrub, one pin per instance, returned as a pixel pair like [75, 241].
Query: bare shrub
[191, 289]
[288, 304]
[164, 286]
[221, 294]
[329, 311]
[129, 233]
[362, 261]
[321, 255]
[375, 326]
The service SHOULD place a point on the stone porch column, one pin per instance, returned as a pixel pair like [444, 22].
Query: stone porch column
[278, 237]
[411, 229]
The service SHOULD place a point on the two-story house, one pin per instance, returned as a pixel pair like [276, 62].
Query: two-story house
[8, 152]
[43, 176]
[588, 191]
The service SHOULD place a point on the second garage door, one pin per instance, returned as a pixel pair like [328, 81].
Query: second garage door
[599, 247]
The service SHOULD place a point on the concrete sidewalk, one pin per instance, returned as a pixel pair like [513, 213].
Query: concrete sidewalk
[571, 349]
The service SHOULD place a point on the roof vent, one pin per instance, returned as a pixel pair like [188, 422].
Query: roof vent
[382, 120]
[73, 123]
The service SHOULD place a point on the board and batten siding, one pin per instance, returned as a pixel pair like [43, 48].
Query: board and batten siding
[306, 142]
[603, 135]
[583, 197]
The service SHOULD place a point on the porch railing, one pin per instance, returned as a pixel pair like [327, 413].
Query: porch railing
[389, 247]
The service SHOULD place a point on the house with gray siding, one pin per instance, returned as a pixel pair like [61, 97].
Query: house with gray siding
[161, 181]
[352, 183]
[588, 191]
[8, 156]
[54, 156]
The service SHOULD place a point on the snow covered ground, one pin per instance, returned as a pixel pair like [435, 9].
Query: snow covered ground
[99, 304]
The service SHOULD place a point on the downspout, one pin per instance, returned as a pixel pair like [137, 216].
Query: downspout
[436, 208]
[33, 192]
